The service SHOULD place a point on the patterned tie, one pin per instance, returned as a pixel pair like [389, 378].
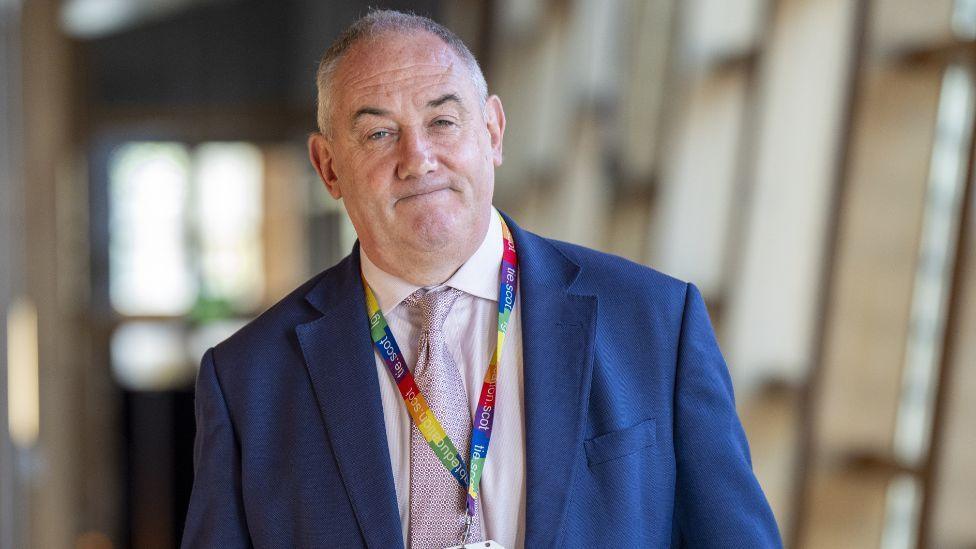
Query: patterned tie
[437, 502]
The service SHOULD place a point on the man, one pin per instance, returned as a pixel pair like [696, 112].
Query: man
[347, 414]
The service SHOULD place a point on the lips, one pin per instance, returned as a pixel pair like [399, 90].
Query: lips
[424, 192]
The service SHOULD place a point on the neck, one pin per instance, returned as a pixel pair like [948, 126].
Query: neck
[425, 267]
[421, 269]
[434, 272]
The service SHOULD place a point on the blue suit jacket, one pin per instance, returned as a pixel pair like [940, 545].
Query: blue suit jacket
[632, 439]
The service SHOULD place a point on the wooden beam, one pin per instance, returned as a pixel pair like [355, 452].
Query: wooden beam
[810, 393]
[952, 340]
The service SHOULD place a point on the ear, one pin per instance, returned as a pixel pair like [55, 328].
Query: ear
[495, 119]
[320, 153]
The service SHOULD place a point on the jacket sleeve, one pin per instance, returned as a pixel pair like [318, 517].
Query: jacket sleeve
[216, 513]
[718, 501]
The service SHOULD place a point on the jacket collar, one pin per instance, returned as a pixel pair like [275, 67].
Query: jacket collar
[339, 356]
[558, 329]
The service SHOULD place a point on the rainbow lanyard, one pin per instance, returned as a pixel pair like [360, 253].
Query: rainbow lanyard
[423, 416]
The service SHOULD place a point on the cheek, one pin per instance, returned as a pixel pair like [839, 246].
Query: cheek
[367, 181]
[469, 156]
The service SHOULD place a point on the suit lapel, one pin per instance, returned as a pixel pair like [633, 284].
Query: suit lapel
[558, 329]
[339, 355]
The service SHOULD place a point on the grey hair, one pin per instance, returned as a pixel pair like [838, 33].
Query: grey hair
[376, 23]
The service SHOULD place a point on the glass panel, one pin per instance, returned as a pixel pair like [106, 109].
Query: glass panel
[955, 491]
[150, 356]
[935, 261]
[923, 350]
[964, 19]
[228, 209]
[207, 335]
[868, 314]
[901, 514]
[149, 266]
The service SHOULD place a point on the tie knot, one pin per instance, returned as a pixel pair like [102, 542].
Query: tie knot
[433, 306]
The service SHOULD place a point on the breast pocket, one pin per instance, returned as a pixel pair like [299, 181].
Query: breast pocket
[620, 443]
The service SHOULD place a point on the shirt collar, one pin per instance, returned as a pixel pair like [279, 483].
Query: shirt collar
[477, 276]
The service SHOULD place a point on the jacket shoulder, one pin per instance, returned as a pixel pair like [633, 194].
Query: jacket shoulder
[602, 272]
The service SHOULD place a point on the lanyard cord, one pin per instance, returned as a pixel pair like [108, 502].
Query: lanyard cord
[423, 417]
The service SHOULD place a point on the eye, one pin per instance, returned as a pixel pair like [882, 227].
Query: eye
[377, 135]
[444, 123]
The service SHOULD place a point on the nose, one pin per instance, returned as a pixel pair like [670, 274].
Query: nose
[416, 157]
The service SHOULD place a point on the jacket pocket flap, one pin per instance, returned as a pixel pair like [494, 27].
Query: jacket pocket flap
[621, 443]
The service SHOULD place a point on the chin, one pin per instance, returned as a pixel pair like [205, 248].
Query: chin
[436, 229]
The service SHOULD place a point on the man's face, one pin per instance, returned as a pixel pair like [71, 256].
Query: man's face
[413, 150]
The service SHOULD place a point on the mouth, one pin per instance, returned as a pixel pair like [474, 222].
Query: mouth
[423, 193]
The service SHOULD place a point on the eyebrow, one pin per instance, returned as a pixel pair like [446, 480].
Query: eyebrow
[444, 99]
[433, 103]
[368, 111]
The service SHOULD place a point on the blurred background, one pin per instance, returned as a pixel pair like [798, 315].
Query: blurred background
[807, 163]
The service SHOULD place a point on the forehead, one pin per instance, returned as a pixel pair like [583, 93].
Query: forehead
[396, 64]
